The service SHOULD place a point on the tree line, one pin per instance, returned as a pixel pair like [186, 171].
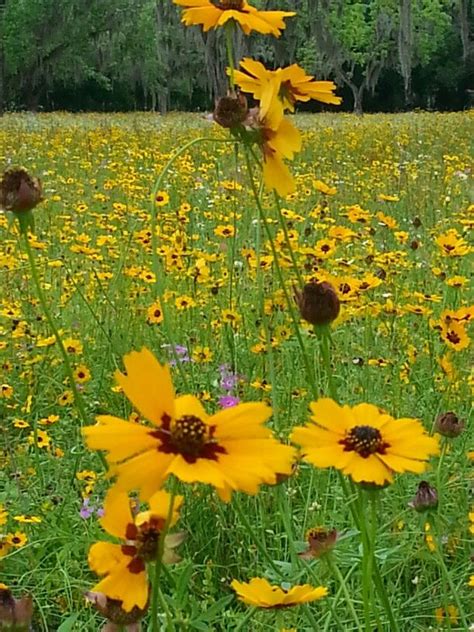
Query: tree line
[119, 55]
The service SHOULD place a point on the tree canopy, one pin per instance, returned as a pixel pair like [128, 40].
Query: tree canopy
[136, 54]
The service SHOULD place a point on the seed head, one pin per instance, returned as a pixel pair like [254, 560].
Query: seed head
[19, 192]
[231, 110]
[449, 425]
[425, 498]
[15, 614]
[318, 303]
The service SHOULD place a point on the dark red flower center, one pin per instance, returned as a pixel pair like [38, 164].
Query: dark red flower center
[453, 337]
[188, 436]
[143, 542]
[365, 440]
[228, 5]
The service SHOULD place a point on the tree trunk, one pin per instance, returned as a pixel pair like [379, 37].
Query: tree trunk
[358, 92]
[464, 27]
[405, 48]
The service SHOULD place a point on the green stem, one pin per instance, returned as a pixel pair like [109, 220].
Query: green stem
[281, 279]
[49, 319]
[446, 575]
[251, 532]
[334, 569]
[324, 334]
[44, 305]
[154, 243]
[288, 242]
[229, 31]
[159, 561]
[366, 567]
[439, 472]
[244, 621]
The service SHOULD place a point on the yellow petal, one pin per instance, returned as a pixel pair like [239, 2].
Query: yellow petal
[117, 515]
[277, 175]
[130, 588]
[147, 385]
[121, 439]
[105, 556]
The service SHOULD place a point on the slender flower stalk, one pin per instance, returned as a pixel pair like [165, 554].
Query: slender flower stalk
[289, 302]
[159, 560]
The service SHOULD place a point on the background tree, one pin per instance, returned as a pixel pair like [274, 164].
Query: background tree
[135, 54]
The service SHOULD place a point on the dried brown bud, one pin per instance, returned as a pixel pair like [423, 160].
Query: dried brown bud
[320, 541]
[425, 498]
[19, 192]
[15, 614]
[318, 303]
[449, 425]
[416, 222]
[112, 610]
[231, 110]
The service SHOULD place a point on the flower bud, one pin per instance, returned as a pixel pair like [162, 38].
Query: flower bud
[19, 192]
[449, 425]
[425, 498]
[231, 110]
[15, 614]
[318, 303]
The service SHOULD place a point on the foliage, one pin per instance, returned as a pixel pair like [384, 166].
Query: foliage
[129, 54]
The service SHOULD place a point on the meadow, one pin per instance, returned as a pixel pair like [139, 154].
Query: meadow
[382, 211]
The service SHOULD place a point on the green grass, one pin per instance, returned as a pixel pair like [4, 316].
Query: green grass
[97, 174]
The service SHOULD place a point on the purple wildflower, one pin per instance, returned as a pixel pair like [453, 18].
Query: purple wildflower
[228, 401]
[86, 511]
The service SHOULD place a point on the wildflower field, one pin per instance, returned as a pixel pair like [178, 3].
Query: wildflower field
[381, 211]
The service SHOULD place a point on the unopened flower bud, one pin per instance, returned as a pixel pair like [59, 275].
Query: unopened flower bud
[425, 498]
[19, 192]
[318, 303]
[231, 110]
[15, 614]
[320, 541]
[449, 425]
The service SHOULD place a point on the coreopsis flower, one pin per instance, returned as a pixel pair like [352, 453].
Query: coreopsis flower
[124, 565]
[452, 245]
[258, 592]
[319, 542]
[214, 13]
[363, 442]
[231, 450]
[282, 88]
[278, 139]
[454, 335]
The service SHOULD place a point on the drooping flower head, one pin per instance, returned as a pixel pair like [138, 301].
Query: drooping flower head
[124, 565]
[231, 450]
[363, 442]
[278, 139]
[260, 593]
[214, 13]
[282, 88]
